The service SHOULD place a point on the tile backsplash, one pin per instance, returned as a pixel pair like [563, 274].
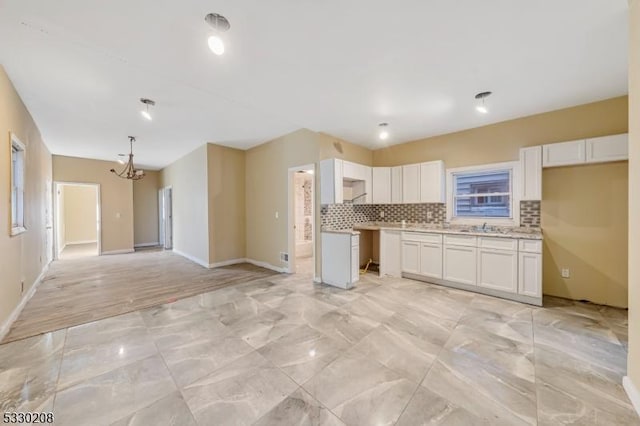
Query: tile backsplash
[344, 216]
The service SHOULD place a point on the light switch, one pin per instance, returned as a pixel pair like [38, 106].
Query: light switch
[277, 215]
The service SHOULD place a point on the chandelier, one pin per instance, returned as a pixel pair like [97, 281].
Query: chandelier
[129, 171]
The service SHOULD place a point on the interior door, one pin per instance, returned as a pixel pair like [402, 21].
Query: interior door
[161, 217]
[168, 222]
[48, 220]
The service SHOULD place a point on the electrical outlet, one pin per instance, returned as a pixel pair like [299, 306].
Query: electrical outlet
[429, 215]
[566, 273]
[21, 287]
[284, 256]
[382, 214]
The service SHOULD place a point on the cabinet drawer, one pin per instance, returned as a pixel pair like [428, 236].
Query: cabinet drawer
[498, 243]
[461, 240]
[422, 237]
[531, 246]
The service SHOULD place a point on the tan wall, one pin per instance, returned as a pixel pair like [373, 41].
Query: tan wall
[226, 187]
[634, 193]
[145, 209]
[116, 197]
[80, 214]
[585, 222]
[22, 257]
[332, 147]
[188, 179]
[502, 141]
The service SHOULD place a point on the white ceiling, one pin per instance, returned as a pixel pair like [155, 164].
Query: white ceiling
[339, 67]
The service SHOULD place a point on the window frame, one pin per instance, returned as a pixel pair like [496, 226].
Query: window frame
[17, 189]
[514, 169]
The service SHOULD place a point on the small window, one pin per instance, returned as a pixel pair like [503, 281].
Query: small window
[482, 193]
[17, 185]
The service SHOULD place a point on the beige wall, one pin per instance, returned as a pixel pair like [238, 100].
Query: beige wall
[585, 222]
[188, 179]
[502, 141]
[634, 193]
[332, 147]
[116, 198]
[80, 214]
[145, 209]
[226, 189]
[22, 257]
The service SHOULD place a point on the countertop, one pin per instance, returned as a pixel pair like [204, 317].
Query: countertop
[341, 231]
[502, 232]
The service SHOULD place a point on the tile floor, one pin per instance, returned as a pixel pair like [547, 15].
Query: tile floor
[284, 351]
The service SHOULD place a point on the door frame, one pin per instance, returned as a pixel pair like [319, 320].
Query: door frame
[162, 222]
[291, 216]
[56, 187]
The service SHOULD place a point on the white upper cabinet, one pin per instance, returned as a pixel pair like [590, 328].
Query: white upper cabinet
[563, 154]
[608, 148]
[381, 177]
[350, 170]
[396, 185]
[411, 183]
[331, 190]
[432, 182]
[531, 173]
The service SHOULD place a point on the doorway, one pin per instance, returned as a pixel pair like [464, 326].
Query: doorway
[165, 215]
[301, 219]
[77, 220]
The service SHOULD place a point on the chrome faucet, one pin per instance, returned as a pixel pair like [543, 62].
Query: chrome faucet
[484, 226]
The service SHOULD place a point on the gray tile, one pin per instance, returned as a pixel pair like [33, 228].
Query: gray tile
[239, 393]
[238, 310]
[299, 408]
[302, 308]
[261, 329]
[517, 327]
[361, 391]
[114, 395]
[345, 325]
[168, 411]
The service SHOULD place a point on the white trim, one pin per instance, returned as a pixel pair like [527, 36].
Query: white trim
[514, 220]
[192, 258]
[123, 251]
[4, 329]
[56, 187]
[317, 280]
[632, 392]
[291, 217]
[147, 244]
[70, 243]
[267, 265]
[227, 263]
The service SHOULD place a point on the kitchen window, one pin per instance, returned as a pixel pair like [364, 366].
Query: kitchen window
[483, 194]
[17, 185]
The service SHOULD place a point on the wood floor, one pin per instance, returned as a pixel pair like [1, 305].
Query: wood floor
[79, 291]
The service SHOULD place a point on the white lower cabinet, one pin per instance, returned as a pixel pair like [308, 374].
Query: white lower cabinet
[459, 264]
[431, 260]
[498, 269]
[340, 259]
[390, 248]
[411, 257]
[530, 274]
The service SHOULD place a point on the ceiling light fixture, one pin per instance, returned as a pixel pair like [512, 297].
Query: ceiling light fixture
[129, 171]
[145, 112]
[482, 108]
[384, 131]
[220, 24]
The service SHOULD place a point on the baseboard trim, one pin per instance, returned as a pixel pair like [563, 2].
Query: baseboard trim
[192, 258]
[72, 243]
[6, 326]
[267, 265]
[146, 244]
[317, 280]
[632, 392]
[227, 263]
[123, 251]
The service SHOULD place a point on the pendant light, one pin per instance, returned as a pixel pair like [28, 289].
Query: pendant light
[481, 107]
[145, 111]
[220, 24]
[130, 171]
[384, 131]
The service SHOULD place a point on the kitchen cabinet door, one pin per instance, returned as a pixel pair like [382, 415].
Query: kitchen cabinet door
[498, 270]
[432, 182]
[411, 257]
[396, 185]
[459, 264]
[411, 183]
[350, 170]
[390, 249]
[530, 274]
[531, 173]
[381, 177]
[331, 184]
[431, 260]
[608, 148]
[563, 154]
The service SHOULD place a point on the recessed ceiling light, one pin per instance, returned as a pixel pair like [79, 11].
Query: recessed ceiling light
[220, 24]
[482, 108]
[145, 111]
[384, 131]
